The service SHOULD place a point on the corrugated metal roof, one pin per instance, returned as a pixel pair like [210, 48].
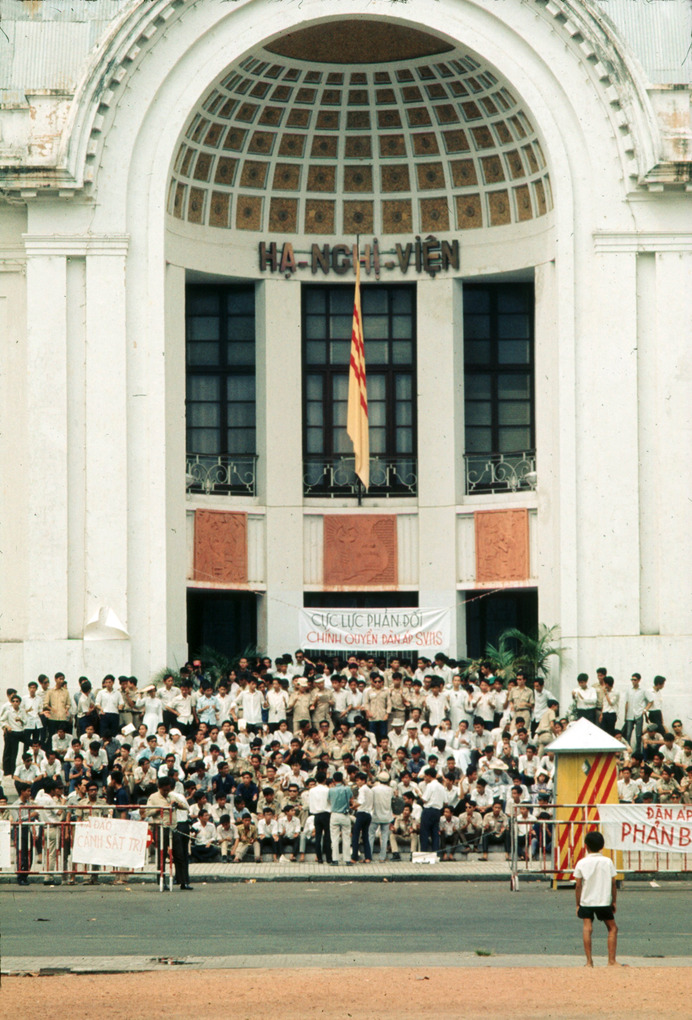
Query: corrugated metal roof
[659, 33]
[44, 45]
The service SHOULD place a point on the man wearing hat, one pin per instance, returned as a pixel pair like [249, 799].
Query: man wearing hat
[382, 814]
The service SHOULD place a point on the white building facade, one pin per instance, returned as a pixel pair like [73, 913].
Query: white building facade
[182, 185]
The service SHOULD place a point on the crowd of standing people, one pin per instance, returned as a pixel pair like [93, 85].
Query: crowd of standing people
[344, 759]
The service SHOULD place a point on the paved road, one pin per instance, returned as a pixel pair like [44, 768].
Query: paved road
[230, 919]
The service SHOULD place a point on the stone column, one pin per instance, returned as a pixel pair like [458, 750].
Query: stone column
[280, 463]
[440, 441]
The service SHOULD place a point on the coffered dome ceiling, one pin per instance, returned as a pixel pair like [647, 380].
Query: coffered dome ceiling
[317, 134]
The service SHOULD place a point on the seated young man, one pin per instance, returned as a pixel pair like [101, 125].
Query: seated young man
[203, 846]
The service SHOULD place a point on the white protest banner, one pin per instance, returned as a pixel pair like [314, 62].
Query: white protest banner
[658, 827]
[5, 858]
[415, 630]
[111, 841]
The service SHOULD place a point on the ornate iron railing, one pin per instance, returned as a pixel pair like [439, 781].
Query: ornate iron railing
[336, 476]
[500, 472]
[221, 475]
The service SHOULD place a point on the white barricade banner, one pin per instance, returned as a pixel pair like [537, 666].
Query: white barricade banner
[415, 630]
[110, 841]
[662, 828]
[5, 858]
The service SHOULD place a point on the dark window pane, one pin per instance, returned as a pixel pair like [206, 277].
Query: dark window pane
[203, 415]
[402, 327]
[376, 353]
[476, 327]
[202, 387]
[203, 327]
[340, 326]
[514, 386]
[478, 385]
[203, 354]
[404, 387]
[375, 327]
[340, 387]
[478, 440]
[314, 437]
[240, 387]
[514, 412]
[316, 327]
[512, 327]
[315, 300]
[376, 385]
[315, 352]
[513, 352]
[201, 303]
[509, 300]
[404, 440]
[478, 413]
[404, 414]
[241, 441]
[314, 413]
[314, 387]
[241, 327]
[241, 301]
[402, 300]
[241, 353]
[203, 441]
[374, 301]
[342, 443]
[340, 351]
[512, 440]
[402, 352]
[477, 352]
[476, 300]
[241, 416]
[378, 440]
[341, 300]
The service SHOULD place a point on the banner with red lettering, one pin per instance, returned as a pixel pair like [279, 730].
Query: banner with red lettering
[422, 631]
[662, 828]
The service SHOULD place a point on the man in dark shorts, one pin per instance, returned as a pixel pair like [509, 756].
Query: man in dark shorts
[596, 893]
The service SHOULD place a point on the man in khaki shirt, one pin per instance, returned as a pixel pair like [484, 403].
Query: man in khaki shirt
[376, 703]
[56, 706]
[247, 837]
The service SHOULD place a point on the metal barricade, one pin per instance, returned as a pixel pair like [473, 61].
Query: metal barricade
[550, 847]
[41, 846]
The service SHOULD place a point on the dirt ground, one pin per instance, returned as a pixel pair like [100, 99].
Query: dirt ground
[377, 993]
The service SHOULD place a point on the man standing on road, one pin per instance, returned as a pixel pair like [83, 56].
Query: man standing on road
[596, 892]
[168, 805]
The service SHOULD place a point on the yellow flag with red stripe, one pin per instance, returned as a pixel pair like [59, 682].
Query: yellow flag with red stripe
[357, 420]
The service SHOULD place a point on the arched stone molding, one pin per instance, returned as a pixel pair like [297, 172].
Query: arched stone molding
[586, 33]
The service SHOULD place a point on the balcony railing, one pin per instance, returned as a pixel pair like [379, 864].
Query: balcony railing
[336, 476]
[500, 472]
[221, 475]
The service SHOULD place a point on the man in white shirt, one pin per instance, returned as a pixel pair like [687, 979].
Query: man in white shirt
[585, 699]
[204, 839]
[249, 702]
[433, 803]
[636, 704]
[596, 894]
[382, 814]
[108, 703]
[318, 805]
[436, 703]
[363, 819]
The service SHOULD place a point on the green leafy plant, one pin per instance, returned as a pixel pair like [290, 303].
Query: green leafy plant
[534, 650]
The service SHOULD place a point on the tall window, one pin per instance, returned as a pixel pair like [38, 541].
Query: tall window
[220, 355]
[499, 385]
[389, 332]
